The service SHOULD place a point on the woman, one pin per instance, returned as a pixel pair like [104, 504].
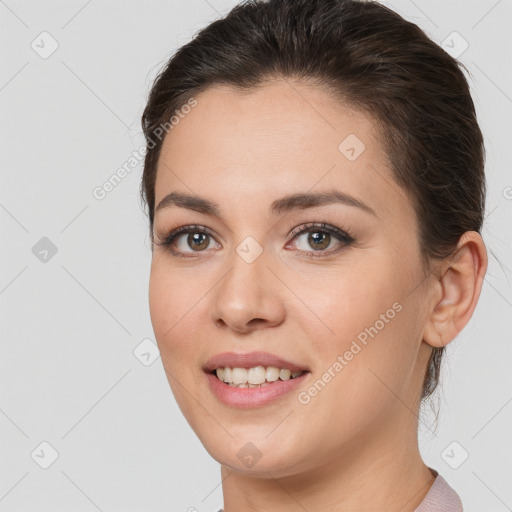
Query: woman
[315, 186]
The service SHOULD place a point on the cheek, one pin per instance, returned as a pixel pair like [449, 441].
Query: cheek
[364, 320]
[351, 303]
[172, 296]
[356, 383]
[173, 305]
[172, 313]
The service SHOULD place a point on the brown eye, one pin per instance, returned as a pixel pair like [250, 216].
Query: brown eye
[319, 240]
[198, 241]
[321, 237]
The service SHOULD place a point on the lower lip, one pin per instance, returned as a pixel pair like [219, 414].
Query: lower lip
[252, 397]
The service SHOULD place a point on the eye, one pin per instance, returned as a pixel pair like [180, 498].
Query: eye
[320, 237]
[198, 239]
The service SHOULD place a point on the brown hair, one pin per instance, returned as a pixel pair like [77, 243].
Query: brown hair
[373, 60]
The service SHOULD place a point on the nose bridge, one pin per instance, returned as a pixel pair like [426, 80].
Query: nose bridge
[247, 291]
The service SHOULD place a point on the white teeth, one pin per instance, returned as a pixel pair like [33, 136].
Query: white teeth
[239, 375]
[285, 374]
[227, 375]
[272, 374]
[254, 377]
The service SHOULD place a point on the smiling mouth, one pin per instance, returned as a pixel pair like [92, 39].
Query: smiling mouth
[255, 377]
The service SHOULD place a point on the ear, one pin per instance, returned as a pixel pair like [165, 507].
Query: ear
[457, 290]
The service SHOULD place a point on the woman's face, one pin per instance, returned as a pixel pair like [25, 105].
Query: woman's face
[350, 311]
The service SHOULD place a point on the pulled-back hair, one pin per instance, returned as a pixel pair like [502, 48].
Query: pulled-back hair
[372, 60]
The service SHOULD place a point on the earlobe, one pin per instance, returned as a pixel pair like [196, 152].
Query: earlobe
[460, 285]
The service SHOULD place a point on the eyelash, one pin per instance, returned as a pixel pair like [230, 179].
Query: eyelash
[343, 235]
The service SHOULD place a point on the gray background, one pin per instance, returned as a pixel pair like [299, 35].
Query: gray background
[72, 320]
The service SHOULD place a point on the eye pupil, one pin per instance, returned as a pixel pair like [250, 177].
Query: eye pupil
[319, 237]
[195, 237]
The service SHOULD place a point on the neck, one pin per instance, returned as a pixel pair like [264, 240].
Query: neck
[381, 470]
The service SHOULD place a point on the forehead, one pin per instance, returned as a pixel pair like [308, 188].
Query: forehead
[275, 116]
[282, 137]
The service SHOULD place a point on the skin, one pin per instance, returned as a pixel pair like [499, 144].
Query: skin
[349, 448]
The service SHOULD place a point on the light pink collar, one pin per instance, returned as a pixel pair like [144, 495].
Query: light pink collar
[440, 498]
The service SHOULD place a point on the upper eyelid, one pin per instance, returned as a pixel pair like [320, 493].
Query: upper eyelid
[189, 228]
[305, 226]
[321, 226]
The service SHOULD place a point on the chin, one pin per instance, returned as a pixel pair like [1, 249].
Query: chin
[255, 454]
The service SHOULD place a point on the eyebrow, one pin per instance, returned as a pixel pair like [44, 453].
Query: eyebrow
[298, 201]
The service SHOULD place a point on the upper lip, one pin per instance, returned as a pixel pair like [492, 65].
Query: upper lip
[250, 360]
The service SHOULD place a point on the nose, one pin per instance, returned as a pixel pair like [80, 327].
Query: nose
[249, 297]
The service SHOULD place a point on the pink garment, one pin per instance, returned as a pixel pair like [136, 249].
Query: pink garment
[440, 498]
